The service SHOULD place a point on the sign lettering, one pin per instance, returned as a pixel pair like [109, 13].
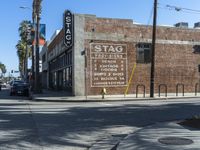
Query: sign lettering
[68, 29]
[108, 64]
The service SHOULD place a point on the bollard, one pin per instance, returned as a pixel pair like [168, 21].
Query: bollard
[103, 92]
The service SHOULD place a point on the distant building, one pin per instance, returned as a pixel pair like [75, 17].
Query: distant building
[105, 51]
[44, 66]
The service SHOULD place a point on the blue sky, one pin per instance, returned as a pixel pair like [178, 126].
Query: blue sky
[52, 11]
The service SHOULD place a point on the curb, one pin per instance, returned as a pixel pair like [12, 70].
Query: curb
[117, 99]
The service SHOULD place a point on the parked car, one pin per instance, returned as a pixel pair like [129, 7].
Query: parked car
[1, 85]
[18, 87]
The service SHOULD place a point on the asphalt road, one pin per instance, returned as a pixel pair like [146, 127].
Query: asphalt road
[26, 125]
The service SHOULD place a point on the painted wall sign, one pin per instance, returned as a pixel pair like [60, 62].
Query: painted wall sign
[68, 29]
[108, 64]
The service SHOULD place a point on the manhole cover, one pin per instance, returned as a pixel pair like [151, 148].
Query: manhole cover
[175, 141]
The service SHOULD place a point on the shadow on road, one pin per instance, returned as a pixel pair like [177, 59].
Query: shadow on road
[60, 125]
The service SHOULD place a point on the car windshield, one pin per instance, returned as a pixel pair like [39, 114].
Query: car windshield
[18, 82]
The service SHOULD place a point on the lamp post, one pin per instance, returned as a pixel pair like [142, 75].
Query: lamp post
[36, 16]
[24, 7]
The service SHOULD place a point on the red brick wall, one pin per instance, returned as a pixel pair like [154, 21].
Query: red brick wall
[174, 63]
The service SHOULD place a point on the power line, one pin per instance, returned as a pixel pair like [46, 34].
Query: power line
[182, 8]
[184, 11]
[150, 16]
[179, 9]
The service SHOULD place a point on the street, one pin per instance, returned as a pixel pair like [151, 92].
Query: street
[57, 125]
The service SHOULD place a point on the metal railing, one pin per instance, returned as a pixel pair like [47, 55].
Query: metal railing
[140, 85]
[182, 85]
[159, 87]
[179, 88]
[196, 88]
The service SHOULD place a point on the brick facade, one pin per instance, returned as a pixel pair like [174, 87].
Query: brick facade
[110, 54]
[175, 60]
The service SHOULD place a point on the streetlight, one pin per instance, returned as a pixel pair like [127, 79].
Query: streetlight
[24, 7]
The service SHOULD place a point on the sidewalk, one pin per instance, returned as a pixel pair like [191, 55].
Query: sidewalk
[162, 136]
[61, 96]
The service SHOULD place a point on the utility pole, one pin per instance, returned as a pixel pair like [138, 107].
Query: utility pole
[37, 57]
[36, 12]
[153, 50]
[33, 53]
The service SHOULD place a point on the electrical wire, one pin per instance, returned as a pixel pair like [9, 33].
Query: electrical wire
[178, 9]
[182, 8]
[150, 16]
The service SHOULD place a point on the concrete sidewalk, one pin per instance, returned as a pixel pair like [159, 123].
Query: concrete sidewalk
[53, 96]
[162, 136]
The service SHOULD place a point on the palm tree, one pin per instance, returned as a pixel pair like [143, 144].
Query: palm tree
[22, 46]
[24, 29]
[21, 53]
[2, 68]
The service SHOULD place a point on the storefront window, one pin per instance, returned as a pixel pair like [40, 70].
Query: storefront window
[54, 77]
[64, 77]
[70, 76]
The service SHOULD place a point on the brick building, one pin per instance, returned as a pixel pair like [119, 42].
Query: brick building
[106, 52]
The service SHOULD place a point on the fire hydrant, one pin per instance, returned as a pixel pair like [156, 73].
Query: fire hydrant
[103, 92]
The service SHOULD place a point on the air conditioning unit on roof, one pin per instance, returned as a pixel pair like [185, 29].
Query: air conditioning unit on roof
[181, 25]
[197, 25]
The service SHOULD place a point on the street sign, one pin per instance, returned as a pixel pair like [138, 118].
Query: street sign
[68, 29]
